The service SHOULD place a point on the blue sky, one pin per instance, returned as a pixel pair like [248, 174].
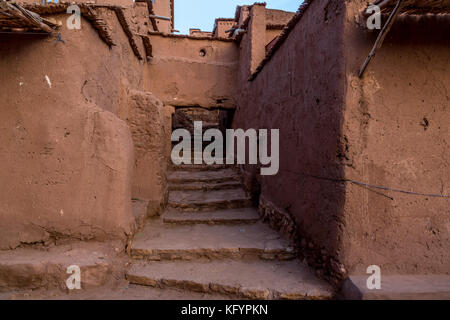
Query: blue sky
[202, 13]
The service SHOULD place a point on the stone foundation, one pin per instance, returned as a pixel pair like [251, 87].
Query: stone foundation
[326, 266]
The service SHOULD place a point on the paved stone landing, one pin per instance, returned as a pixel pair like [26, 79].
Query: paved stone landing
[399, 287]
[241, 279]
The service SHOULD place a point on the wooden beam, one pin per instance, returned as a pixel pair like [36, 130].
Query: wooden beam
[29, 17]
[150, 13]
[381, 36]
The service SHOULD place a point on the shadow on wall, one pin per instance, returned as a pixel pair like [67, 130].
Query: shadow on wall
[301, 92]
[387, 129]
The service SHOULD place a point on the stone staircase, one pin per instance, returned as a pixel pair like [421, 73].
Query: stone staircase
[211, 240]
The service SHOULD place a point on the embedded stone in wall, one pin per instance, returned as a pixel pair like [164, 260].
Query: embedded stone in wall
[147, 119]
[325, 265]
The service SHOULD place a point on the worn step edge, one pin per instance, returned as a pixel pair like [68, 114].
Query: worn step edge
[200, 167]
[232, 216]
[213, 253]
[229, 290]
[203, 206]
[203, 179]
[204, 186]
[206, 220]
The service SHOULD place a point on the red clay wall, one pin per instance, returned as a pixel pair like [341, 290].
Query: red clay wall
[163, 8]
[397, 132]
[278, 17]
[271, 34]
[180, 76]
[388, 129]
[300, 91]
[66, 156]
[223, 25]
[252, 47]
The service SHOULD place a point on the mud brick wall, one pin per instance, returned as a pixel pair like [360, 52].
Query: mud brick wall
[292, 95]
[382, 130]
[67, 157]
[397, 135]
[192, 71]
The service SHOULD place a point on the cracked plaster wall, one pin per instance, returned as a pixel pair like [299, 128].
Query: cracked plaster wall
[67, 157]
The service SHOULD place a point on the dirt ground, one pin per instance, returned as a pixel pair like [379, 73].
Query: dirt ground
[121, 290]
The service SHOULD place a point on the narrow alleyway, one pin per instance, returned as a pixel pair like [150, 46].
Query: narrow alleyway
[211, 240]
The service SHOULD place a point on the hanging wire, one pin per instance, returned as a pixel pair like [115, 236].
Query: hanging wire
[371, 186]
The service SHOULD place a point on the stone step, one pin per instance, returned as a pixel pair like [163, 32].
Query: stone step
[230, 216]
[200, 167]
[203, 176]
[160, 241]
[239, 279]
[209, 200]
[205, 126]
[200, 152]
[206, 161]
[205, 186]
[46, 267]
